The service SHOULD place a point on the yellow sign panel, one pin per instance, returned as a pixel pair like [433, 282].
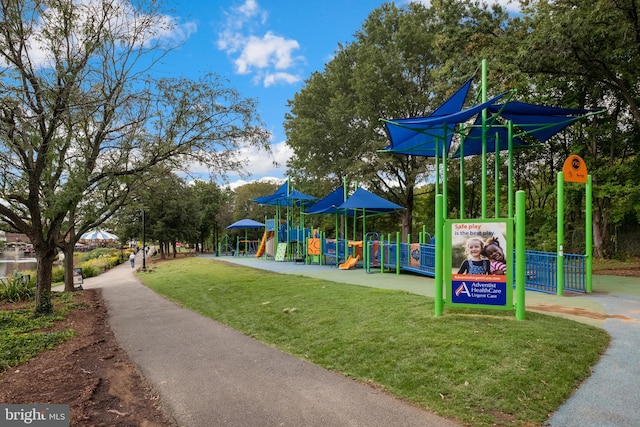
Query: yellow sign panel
[574, 169]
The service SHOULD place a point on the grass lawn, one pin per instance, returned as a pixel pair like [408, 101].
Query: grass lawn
[480, 367]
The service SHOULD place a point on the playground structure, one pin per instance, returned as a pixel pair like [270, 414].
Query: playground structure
[497, 127]
[280, 240]
[494, 128]
[243, 246]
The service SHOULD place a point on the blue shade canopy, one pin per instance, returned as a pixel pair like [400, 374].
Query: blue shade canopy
[300, 198]
[539, 121]
[455, 101]
[281, 192]
[328, 204]
[284, 197]
[419, 136]
[246, 223]
[473, 141]
[363, 200]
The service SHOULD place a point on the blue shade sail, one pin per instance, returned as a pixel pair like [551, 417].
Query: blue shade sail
[246, 223]
[419, 136]
[473, 141]
[455, 101]
[284, 197]
[281, 192]
[363, 200]
[328, 204]
[540, 121]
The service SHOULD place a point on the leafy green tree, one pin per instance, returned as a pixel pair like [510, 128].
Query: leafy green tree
[81, 118]
[588, 54]
[398, 66]
[209, 198]
[171, 213]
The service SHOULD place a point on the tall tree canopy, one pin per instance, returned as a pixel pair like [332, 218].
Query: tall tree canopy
[588, 53]
[398, 66]
[406, 60]
[81, 117]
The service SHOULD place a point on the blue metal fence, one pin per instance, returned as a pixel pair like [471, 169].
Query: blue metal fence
[541, 272]
[541, 267]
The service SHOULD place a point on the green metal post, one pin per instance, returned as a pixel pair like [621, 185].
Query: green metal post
[439, 302]
[445, 186]
[496, 180]
[510, 170]
[560, 234]
[364, 238]
[381, 249]
[389, 243]
[484, 140]
[589, 235]
[437, 183]
[462, 180]
[520, 255]
[398, 244]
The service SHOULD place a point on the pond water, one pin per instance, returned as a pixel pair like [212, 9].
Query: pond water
[13, 261]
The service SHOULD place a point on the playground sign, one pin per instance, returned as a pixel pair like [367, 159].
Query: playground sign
[575, 170]
[478, 263]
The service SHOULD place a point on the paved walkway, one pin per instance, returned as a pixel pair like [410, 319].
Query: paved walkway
[209, 374]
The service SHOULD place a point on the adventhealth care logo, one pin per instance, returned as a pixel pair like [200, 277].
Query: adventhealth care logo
[37, 415]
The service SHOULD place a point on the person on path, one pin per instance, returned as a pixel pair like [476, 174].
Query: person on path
[132, 259]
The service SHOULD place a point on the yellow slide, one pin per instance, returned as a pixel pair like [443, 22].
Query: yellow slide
[349, 263]
[263, 245]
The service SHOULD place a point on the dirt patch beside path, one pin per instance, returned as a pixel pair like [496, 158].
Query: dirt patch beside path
[90, 372]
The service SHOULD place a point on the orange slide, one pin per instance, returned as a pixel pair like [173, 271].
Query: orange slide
[263, 245]
[349, 263]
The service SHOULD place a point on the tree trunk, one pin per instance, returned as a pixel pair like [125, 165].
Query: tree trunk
[45, 256]
[161, 246]
[68, 268]
[600, 232]
[407, 215]
[407, 226]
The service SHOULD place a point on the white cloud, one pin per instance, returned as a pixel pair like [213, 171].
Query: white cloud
[269, 57]
[240, 182]
[281, 153]
[268, 51]
[260, 165]
[123, 19]
[275, 78]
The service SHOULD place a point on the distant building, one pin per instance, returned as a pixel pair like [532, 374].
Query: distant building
[16, 238]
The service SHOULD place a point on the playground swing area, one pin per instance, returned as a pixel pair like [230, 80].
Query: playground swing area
[497, 127]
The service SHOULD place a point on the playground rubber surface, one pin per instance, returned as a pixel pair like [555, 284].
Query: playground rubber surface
[209, 374]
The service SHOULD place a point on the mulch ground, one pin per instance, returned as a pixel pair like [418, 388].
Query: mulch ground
[89, 372]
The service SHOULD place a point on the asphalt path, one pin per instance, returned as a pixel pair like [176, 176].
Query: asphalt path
[208, 374]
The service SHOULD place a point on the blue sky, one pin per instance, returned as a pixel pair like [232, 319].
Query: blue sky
[266, 49]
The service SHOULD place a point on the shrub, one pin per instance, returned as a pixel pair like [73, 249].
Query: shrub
[57, 275]
[89, 270]
[98, 253]
[16, 288]
[98, 261]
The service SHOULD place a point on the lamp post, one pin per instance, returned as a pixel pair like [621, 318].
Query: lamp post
[144, 243]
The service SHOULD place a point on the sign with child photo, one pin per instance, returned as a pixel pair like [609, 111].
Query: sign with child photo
[478, 264]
